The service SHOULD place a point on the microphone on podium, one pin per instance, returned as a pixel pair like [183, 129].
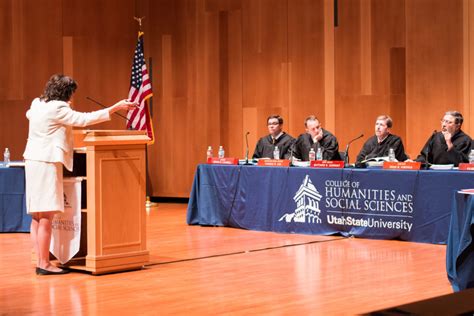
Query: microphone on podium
[100, 104]
[247, 148]
[346, 152]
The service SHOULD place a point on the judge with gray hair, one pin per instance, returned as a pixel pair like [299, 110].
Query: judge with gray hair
[449, 146]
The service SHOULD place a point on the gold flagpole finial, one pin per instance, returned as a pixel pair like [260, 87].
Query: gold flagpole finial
[139, 20]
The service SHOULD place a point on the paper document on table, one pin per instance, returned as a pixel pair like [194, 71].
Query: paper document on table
[466, 191]
[442, 167]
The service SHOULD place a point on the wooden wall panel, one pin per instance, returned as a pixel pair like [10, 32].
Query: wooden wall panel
[434, 66]
[264, 59]
[468, 65]
[306, 61]
[33, 54]
[220, 67]
[235, 83]
[353, 109]
[173, 95]
[388, 60]
[367, 68]
[11, 52]
[388, 32]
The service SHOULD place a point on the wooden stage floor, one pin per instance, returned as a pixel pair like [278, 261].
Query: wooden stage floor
[213, 270]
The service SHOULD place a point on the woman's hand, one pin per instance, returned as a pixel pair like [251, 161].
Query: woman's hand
[123, 105]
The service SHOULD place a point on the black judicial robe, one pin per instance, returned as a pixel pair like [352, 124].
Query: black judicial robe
[435, 149]
[265, 146]
[372, 148]
[328, 144]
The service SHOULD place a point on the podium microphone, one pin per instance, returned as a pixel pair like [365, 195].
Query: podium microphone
[346, 152]
[247, 148]
[98, 103]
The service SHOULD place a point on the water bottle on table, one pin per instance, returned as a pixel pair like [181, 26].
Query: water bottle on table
[221, 153]
[276, 153]
[391, 155]
[6, 158]
[471, 156]
[312, 155]
[209, 152]
[319, 154]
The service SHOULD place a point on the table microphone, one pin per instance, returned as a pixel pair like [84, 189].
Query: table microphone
[346, 152]
[247, 148]
[426, 163]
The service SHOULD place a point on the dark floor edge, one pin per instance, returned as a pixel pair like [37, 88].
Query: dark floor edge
[157, 199]
[242, 252]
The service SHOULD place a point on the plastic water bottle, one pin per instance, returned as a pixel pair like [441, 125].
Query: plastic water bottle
[221, 153]
[391, 155]
[209, 152]
[471, 156]
[276, 153]
[6, 158]
[319, 154]
[312, 155]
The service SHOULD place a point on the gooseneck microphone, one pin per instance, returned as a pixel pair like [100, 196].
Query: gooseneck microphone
[346, 152]
[425, 153]
[247, 148]
[98, 103]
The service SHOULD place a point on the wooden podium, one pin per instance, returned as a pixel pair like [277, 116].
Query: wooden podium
[116, 194]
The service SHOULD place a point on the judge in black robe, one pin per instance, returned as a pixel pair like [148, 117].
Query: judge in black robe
[373, 148]
[450, 146]
[266, 145]
[316, 137]
[379, 145]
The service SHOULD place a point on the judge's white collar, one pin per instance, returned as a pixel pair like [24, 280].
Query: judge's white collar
[278, 136]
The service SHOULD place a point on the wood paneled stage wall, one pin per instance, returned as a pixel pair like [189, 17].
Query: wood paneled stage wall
[220, 67]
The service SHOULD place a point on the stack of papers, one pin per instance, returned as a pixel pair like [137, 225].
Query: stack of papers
[442, 167]
[298, 163]
[374, 163]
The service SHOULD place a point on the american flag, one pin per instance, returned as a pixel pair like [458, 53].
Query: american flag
[140, 92]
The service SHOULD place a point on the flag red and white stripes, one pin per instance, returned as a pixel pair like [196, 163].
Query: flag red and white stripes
[140, 92]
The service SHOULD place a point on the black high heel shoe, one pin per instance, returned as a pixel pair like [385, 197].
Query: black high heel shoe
[40, 271]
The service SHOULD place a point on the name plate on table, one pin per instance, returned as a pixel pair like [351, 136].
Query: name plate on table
[402, 165]
[274, 163]
[223, 161]
[327, 164]
[466, 166]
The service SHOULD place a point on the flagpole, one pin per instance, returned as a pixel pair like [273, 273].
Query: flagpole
[148, 203]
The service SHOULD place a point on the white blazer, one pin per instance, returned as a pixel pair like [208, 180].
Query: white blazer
[50, 136]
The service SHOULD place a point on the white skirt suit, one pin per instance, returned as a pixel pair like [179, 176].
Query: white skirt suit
[49, 147]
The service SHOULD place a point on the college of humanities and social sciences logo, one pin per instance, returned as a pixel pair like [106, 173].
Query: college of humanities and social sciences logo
[348, 203]
[307, 204]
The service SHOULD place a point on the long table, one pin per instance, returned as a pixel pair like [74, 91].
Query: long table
[460, 249]
[369, 203]
[13, 217]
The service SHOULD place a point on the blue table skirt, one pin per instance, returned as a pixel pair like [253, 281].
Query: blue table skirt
[370, 203]
[460, 249]
[13, 217]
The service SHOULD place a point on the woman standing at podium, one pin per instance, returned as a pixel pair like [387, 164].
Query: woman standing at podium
[49, 147]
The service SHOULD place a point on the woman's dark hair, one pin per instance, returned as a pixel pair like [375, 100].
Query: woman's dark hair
[59, 87]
